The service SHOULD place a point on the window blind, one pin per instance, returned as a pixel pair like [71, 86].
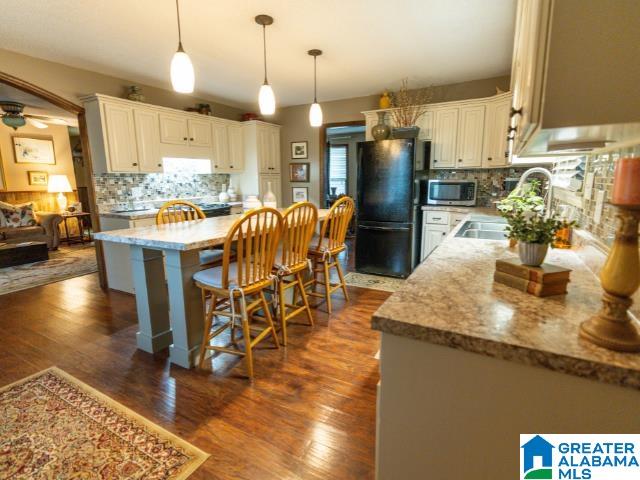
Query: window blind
[338, 166]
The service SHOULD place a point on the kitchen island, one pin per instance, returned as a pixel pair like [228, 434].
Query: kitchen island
[163, 260]
[467, 365]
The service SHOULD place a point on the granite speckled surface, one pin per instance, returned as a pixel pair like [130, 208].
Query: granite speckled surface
[451, 300]
[142, 214]
[192, 235]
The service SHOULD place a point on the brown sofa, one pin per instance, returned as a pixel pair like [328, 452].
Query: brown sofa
[46, 230]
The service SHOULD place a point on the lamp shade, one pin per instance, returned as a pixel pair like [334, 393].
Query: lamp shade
[182, 75]
[315, 115]
[58, 184]
[267, 100]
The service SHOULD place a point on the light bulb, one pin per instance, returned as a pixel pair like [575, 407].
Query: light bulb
[38, 123]
[315, 115]
[267, 100]
[182, 76]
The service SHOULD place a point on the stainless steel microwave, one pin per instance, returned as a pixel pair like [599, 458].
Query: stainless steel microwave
[451, 192]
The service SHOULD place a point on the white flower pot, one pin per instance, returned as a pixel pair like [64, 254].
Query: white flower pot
[532, 254]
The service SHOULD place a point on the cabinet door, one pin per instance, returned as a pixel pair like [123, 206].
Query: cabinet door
[444, 138]
[199, 132]
[263, 150]
[147, 140]
[236, 148]
[370, 119]
[432, 237]
[173, 129]
[220, 147]
[495, 152]
[425, 122]
[470, 136]
[276, 186]
[121, 138]
[274, 150]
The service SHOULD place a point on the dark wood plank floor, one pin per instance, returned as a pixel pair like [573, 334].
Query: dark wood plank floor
[309, 414]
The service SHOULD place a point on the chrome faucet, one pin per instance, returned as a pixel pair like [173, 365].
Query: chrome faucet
[547, 174]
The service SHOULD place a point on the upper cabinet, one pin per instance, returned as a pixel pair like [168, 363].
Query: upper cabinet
[464, 134]
[128, 136]
[574, 92]
[261, 158]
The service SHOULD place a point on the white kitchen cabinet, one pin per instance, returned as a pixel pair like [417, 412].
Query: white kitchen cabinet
[174, 129]
[495, 150]
[236, 147]
[121, 138]
[220, 160]
[470, 136]
[199, 132]
[261, 159]
[147, 134]
[425, 122]
[432, 236]
[268, 149]
[276, 186]
[445, 138]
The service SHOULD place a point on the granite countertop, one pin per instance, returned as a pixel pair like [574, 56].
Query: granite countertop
[451, 300]
[192, 235]
[148, 213]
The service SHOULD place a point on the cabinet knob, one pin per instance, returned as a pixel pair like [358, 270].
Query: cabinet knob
[159, 164]
[459, 159]
[191, 139]
[185, 138]
[515, 112]
[435, 161]
[134, 164]
[489, 158]
[443, 234]
[216, 166]
[230, 166]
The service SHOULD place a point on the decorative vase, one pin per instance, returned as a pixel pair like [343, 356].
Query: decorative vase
[223, 196]
[269, 199]
[532, 254]
[251, 202]
[233, 196]
[135, 94]
[385, 100]
[406, 132]
[381, 131]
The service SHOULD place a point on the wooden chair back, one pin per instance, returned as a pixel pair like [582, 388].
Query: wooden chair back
[176, 211]
[299, 224]
[334, 227]
[254, 240]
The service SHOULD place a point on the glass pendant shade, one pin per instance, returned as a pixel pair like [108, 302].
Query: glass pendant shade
[182, 75]
[267, 100]
[14, 121]
[315, 115]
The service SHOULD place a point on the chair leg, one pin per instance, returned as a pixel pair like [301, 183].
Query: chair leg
[327, 286]
[342, 283]
[208, 320]
[283, 311]
[233, 320]
[246, 333]
[267, 316]
[303, 294]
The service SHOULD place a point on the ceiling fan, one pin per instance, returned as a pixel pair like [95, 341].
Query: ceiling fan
[13, 116]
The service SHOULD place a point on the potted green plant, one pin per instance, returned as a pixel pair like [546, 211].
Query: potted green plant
[525, 199]
[534, 233]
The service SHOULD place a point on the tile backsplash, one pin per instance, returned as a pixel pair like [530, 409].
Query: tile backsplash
[116, 188]
[491, 185]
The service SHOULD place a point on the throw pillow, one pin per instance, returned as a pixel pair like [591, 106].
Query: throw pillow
[18, 215]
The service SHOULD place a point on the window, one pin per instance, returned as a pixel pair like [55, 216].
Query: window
[337, 170]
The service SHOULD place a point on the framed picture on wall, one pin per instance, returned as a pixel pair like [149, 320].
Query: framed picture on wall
[300, 194]
[34, 150]
[40, 179]
[299, 172]
[299, 150]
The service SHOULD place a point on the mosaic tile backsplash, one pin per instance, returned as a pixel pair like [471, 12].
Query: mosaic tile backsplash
[118, 188]
[491, 182]
[602, 165]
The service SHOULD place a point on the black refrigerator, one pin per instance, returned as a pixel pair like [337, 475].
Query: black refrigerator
[388, 236]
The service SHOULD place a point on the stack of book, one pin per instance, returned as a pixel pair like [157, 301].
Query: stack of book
[541, 281]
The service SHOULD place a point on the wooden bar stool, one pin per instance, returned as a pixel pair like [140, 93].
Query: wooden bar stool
[176, 211]
[324, 249]
[299, 224]
[236, 289]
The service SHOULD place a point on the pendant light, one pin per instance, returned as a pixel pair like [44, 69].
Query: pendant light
[266, 98]
[182, 76]
[315, 112]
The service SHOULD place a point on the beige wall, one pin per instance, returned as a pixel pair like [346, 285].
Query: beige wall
[295, 123]
[15, 174]
[72, 83]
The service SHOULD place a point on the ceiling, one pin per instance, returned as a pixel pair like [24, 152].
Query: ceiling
[368, 45]
[36, 106]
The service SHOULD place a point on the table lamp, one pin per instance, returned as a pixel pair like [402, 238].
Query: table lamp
[59, 184]
[614, 327]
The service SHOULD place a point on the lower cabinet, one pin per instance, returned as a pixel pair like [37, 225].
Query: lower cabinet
[432, 236]
[436, 225]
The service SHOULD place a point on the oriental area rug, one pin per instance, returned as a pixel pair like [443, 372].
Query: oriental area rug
[375, 282]
[52, 426]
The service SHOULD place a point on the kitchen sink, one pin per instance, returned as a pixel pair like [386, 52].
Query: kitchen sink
[483, 230]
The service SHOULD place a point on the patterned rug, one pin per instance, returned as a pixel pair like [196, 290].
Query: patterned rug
[66, 262]
[52, 426]
[374, 282]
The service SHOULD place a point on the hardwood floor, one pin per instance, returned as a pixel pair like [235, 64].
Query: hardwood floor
[309, 414]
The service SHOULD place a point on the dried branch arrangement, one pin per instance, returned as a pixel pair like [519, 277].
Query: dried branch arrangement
[407, 106]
